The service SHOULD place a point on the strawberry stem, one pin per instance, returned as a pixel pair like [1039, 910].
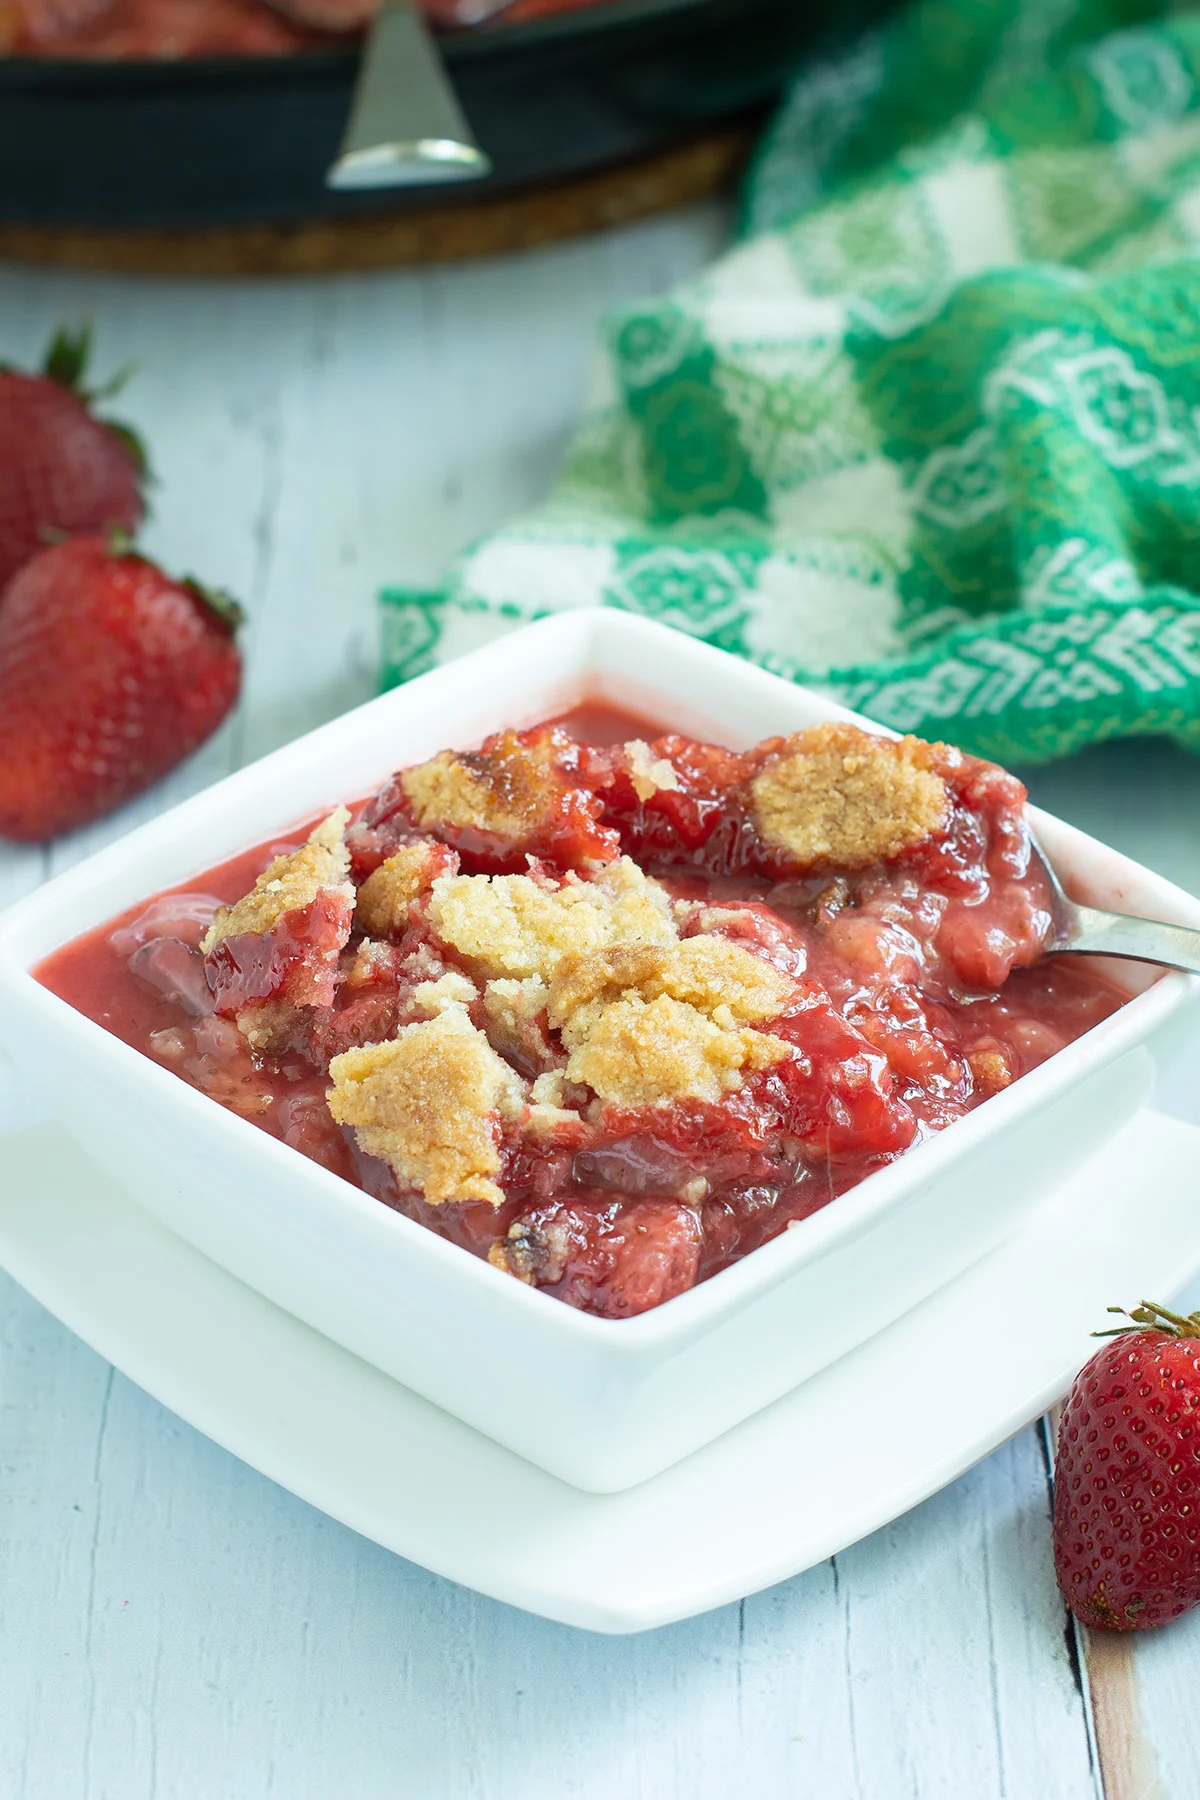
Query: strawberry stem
[66, 362]
[66, 359]
[1148, 1314]
[223, 606]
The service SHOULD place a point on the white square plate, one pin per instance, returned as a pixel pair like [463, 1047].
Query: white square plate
[854, 1447]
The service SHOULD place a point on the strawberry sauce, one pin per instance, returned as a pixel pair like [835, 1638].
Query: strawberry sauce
[917, 989]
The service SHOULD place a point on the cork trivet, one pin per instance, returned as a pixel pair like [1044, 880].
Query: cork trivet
[434, 234]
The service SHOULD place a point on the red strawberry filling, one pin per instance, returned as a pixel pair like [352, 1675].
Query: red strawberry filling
[806, 1019]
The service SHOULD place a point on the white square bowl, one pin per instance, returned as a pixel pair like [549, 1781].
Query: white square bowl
[602, 1404]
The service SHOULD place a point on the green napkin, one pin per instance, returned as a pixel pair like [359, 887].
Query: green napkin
[928, 437]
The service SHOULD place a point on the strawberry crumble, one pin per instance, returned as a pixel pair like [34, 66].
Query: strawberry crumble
[612, 1010]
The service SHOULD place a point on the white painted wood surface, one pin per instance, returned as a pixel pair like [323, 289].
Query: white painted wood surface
[172, 1626]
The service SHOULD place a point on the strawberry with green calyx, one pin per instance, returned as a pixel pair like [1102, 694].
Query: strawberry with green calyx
[62, 468]
[1127, 1479]
[110, 674]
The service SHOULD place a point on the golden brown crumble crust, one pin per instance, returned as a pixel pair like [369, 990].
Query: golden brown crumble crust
[514, 927]
[647, 1025]
[289, 883]
[506, 792]
[386, 895]
[635, 1052]
[838, 796]
[430, 1104]
[990, 1068]
[716, 976]
[649, 774]
[268, 1026]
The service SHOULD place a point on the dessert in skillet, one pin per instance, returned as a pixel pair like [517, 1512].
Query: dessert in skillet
[612, 1014]
[171, 30]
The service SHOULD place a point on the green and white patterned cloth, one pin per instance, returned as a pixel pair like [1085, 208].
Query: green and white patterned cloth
[928, 437]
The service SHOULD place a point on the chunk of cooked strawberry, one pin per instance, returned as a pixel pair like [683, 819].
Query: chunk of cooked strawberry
[303, 1120]
[683, 1151]
[983, 944]
[837, 1095]
[616, 1257]
[698, 822]
[176, 970]
[296, 960]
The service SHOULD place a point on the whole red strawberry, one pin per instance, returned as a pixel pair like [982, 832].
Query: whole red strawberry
[110, 674]
[1127, 1481]
[61, 468]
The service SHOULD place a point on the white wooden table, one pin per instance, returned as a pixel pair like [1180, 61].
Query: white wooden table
[174, 1627]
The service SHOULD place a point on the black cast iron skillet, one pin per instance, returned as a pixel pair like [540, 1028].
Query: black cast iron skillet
[249, 140]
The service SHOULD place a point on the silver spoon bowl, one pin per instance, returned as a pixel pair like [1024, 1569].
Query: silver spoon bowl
[1087, 931]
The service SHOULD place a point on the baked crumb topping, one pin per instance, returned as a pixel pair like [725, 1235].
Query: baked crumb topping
[517, 1254]
[430, 1104]
[549, 1105]
[533, 1256]
[836, 795]
[290, 883]
[514, 926]
[635, 1052]
[603, 960]
[451, 989]
[649, 774]
[715, 975]
[506, 791]
[373, 961]
[269, 1025]
[514, 1020]
[990, 1068]
[512, 1004]
[386, 895]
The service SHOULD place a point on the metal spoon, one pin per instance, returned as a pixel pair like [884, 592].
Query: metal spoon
[1087, 931]
[406, 127]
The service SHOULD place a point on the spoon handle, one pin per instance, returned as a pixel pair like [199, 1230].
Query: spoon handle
[1098, 933]
[406, 127]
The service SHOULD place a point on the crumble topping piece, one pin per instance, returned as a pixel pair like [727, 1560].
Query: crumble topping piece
[718, 977]
[430, 1104]
[536, 1256]
[270, 1027]
[523, 791]
[451, 989]
[386, 895]
[373, 961]
[550, 1090]
[515, 926]
[836, 795]
[649, 774]
[517, 1254]
[515, 1022]
[289, 884]
[505, 792]
[990, 1067]
[549, 1106]
[511, 1005]
[647, 1053]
